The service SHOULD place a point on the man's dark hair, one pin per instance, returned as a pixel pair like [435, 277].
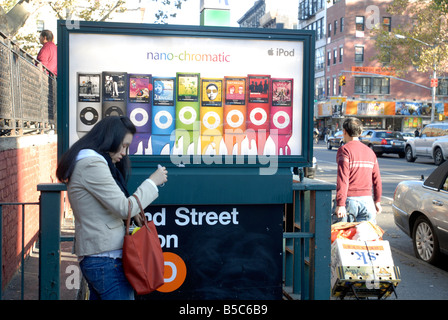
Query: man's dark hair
[353, 127]
[47, 34]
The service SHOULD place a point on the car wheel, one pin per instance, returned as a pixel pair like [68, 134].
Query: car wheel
[408, 152]
[328, 145]
[426, 245]
[438, 157]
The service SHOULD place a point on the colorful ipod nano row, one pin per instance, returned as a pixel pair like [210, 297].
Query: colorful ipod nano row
[198, 111]
[187, 111]
[89, 110]
[235, 113]
[211, 114]
[281, 114]
[258, 109]
[164, 113]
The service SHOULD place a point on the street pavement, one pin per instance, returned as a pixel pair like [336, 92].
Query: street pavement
[419, 280]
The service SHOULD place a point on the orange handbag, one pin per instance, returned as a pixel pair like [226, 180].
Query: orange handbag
[143, 262]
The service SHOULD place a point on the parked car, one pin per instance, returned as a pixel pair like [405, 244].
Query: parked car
[307, 172]
[335, 140]
[383, 141]
[432, 143]
[408, 135]
[420, 210]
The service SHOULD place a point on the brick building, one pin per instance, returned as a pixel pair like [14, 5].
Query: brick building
[348, 51]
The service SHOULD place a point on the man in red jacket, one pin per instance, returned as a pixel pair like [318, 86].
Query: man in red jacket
[358, 175]
[48, 54]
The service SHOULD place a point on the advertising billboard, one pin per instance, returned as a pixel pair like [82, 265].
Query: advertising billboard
[192, 91]
[233, 99]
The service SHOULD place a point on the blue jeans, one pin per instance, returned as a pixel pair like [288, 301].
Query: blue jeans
[106, 279]
[362, 209]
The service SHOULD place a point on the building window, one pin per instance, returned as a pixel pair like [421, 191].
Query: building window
[362, 85]
[329, 30]
[308, 8]
[335, 56]
[328, 58]
[319, 28]
[341, 53]
[342, 24]
[319, 88]
[372, 85]
[386, 58]
[387, 24]
[320, 58]
[328, 87]
[442, 87]
[359, 54]
[335, 26]
[40, 25]
[380, 86]
[335, 85]
[359, 23]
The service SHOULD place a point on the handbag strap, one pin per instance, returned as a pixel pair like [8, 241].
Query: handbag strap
[142, 213]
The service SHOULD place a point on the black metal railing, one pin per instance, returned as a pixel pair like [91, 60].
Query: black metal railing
[27, 92]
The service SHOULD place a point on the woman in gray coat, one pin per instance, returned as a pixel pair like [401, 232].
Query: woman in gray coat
[95, 170]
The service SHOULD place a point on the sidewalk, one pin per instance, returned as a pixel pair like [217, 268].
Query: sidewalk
[69, 268]
[419, 280]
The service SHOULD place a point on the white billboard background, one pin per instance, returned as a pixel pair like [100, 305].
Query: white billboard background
[95, 53]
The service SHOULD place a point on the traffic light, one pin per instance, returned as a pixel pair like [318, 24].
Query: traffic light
[342, 80]
[434, 83]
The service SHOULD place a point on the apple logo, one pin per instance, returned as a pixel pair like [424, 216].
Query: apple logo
[271, 52]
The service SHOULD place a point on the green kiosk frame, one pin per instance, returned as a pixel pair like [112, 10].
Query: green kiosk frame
[229, 156]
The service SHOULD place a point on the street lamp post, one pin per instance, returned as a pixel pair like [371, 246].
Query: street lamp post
[434, 74]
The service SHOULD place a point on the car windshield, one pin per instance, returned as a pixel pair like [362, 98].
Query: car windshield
[389, 134]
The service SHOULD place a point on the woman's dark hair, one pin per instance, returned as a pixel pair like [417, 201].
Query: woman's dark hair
[106, 136]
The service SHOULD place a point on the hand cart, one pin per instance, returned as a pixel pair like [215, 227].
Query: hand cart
[374, 276]
[366, 282]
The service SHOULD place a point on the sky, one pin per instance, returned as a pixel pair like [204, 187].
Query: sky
[189, 14]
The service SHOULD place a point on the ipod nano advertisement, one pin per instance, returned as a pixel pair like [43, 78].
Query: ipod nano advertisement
[190, 95]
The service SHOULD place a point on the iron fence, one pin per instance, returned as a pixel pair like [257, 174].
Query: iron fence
[27, 92]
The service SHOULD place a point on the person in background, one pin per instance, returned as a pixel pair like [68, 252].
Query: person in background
[48, 54]
[358, 174]
[417, 133]
[95, 169]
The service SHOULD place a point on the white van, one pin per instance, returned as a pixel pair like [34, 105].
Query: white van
[432, 142]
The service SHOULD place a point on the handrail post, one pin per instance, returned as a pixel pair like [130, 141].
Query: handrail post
[312, 220]
[49, 240]
[322, 249]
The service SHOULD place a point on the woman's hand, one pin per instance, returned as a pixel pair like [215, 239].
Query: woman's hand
[138, 220]
[160, 176]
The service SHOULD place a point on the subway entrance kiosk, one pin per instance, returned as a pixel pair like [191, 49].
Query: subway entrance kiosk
[228, 111]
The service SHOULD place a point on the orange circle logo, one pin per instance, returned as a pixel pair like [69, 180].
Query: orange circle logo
[175, 272]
